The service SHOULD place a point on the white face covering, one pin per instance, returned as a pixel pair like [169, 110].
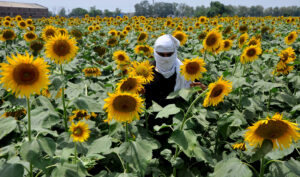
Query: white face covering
[167, 66]
[166, 44]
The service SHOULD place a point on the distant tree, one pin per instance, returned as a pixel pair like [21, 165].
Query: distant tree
[62, 12]
[108, 13]
[117, 12]
[163, 9]
[200, 11]
[243, 11]
[216, 8]
[78, 12]
[94, 12]
[143, 8]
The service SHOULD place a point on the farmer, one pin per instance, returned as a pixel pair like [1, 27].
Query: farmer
[167, 77]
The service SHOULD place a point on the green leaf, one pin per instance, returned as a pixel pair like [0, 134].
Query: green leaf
[138, 153]
[278, 153]
[293, 165]
[88, 104]
[296, 108]
[69, 170]
[6, 126]
[168, 110]
[47, 145]
[187, 141]
[264, 86]
[13, 170]
[265, 148]
[278, 169]
[101, 145]
[232, 167]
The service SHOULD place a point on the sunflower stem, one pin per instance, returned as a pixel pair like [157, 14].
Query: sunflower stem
[183, 122]
[235, 66]
[63, 100]
[126, 131]
[29, 132]
[262, 167]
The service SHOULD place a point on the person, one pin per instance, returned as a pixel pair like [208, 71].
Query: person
[167, 77]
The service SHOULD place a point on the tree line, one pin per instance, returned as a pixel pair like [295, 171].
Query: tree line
[164, 9]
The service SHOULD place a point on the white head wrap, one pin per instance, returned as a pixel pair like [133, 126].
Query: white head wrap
[168, 65]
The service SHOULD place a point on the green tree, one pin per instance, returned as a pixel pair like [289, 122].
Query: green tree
[78, 12]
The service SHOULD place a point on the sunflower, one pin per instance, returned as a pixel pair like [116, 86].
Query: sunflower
[36, 46]
[143, 69]
[113, 32]
[112, 42]
[61, 49]
[16, 112]
[254, 41]
[91, 71]
[202, 36]
[91, 28]
[130, 84]
[77, 34]
[121, 57]
[291, 38]
[181, 36]
[212, 41]
[6, 23]
[46, 93]
[63, 31]
[243, 28]
[22, 24]
[202, 19]
[241, 146]
[243, 39]
[100, 50]
[217, 91]
[79, 115]
[143, 49]
[227, 44]
[280, 132]
[282, 68]
[29, 22]
[123, 106]
[80, 131]
[250, 54]
[30, 36]
[48, 32]
[192, 69]
[7, 34]
[23, 75]
[142, 37]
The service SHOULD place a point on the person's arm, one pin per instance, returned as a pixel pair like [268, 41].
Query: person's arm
[199, 84]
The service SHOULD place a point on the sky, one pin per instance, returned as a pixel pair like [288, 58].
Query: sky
[128, 5]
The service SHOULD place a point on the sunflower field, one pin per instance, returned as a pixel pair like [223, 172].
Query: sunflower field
[73, 99]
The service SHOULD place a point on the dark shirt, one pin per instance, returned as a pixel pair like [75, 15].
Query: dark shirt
[159, 89]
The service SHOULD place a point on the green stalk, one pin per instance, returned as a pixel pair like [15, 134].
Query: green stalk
[29, 132]
[262, 167]
[75, 153]
[126, 140]
[183, 122]
[63, 100]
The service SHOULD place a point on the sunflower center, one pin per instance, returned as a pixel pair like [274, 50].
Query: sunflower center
[272, 130]
[36, 45]
[8, 34]
[25, 74]
[226, 44]
[50, 32]
[124, 103]
[142, 37]
[192, 68]
[61, 48]
[211, 40]
[129, 84]
[253, 42]
[30, 35]
[251, 52]
[217, 90]
[145, 49]
[121, 57]
[291, 36]
[112, 41]
[179, 37]
[285, 56]
[77, 131]
[242, 40]
[22, 24]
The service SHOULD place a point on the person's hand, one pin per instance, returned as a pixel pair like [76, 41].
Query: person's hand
[199, 84]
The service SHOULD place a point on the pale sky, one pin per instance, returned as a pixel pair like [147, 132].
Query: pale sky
[128, 5]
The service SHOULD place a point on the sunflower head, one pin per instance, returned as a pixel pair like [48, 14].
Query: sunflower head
[7, 34]
[17, 112]
[36, 46]
[77, 34]
[92, 71]
[254, 41]
[143, 49]
[227, 44]
[192, 69]
[142, 37]
[291, 38]
[30, 36]
[121, 57]
[250, 54]
[217, 91]
[49, 32]
[79, 115]
[22, 24]
[112, 42]
[61, 48]
[143, 69]
[280, 132]
[100, 50]
[23, 75]
[241, 146]
[130, 84]
[212, 40]
[243, 39]
[181, 36]
[123, 106]
[80, 131]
